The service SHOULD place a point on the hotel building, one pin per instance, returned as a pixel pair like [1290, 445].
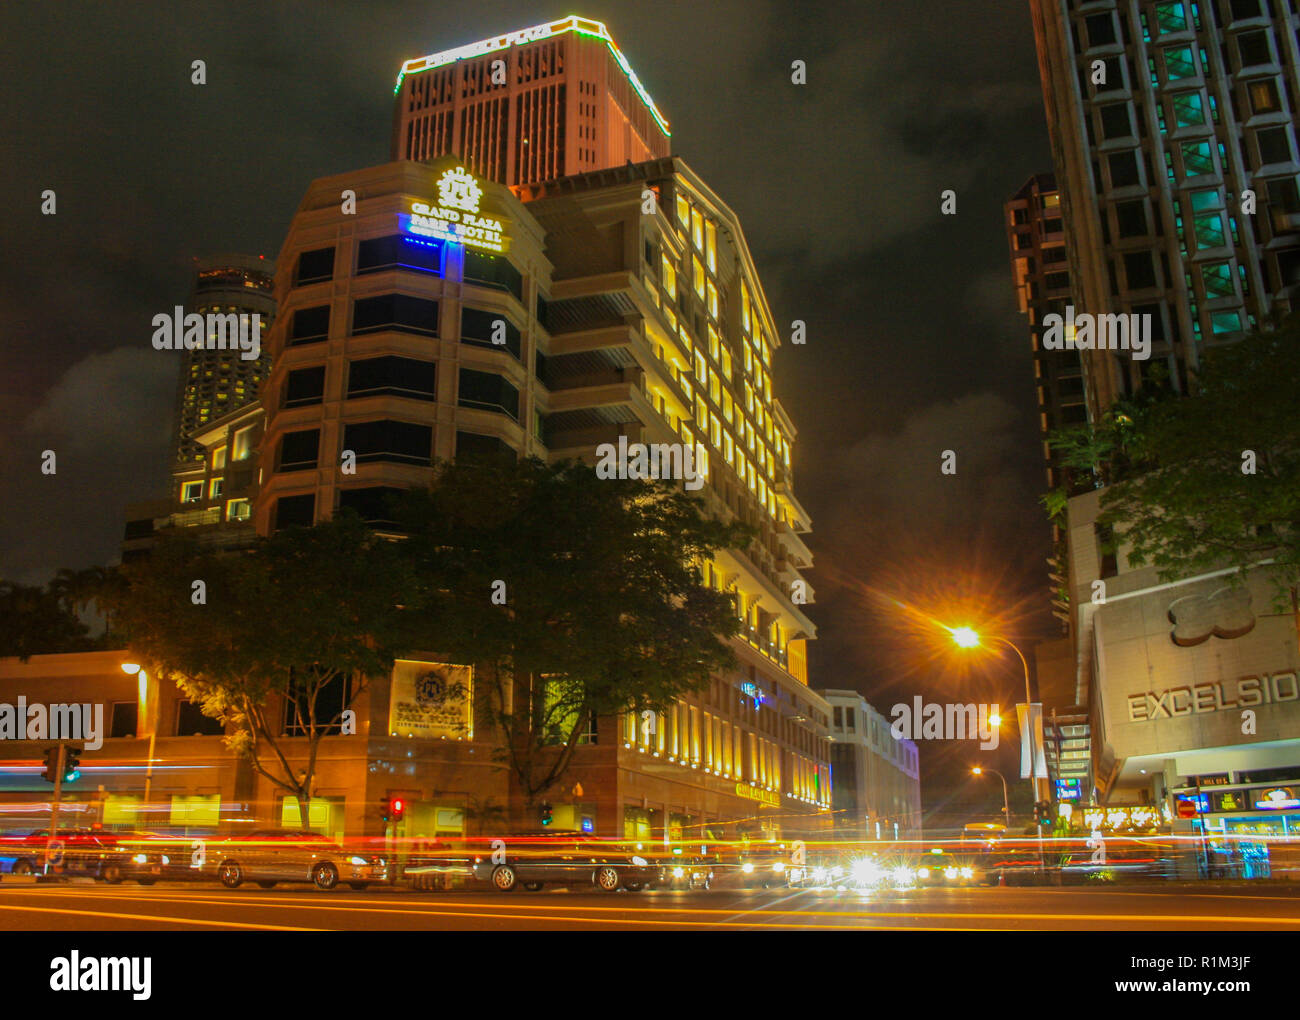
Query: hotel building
[877, 788]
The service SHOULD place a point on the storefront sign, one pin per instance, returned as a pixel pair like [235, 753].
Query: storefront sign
[754, 793]
[1276, 798]
[456, 216]
[1117, 819]
[1219, 696]
[430, 700]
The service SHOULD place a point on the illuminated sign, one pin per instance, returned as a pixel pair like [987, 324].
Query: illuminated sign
[1278, 798]
[754, 793]
[1067, 789]
[1110, 819]
[457, 217]
[430, 700]
[1213, 697]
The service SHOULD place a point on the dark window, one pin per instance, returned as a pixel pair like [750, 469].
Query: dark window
[543, 312]
[1057, 281]
[310, 325]
[397, 252]
[493, 271]
[1115, 122]
[304, 386]
[143, 528]
[478, 328]
[470, 446]
[399, 312]
[850, 719]
[1157, 320]
[125, 719]
[299, 450]
[295, 511]
[1052, 226]
[392, 376]
[1252, 47]
[314, 266]
[1113, 75]
[1139, 270]
[488, 391]
[1274, 146]
[398, 441]
[191, 722]
[1245, 9]
[1020, 217]
[1101, 30]
[308, 702]
[375, 505]
[1132, 218]
[1123, 169]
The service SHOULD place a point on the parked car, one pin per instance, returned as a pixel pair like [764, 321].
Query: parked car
[269, 856]
[534, 860]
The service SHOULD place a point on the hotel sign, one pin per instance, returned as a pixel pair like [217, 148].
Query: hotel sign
[754, 793]
[430, 700]
[456, 216]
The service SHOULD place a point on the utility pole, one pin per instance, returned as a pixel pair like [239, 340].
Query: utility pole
[54, 809]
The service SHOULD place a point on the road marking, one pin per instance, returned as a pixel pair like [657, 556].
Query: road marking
[155, 917]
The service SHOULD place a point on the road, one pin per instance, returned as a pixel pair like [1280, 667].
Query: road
[197, 907]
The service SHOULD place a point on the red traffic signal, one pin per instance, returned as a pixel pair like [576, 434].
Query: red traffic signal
[398, 808]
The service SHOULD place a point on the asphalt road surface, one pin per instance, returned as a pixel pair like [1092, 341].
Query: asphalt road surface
[202, 907]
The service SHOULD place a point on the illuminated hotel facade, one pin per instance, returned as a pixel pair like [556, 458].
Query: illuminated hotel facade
[449, 316]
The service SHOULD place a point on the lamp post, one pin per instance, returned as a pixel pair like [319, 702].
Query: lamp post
[142, 711]
[1006, 804]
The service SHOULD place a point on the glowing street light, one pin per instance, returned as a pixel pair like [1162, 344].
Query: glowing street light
[1006, 804]
[965, 637]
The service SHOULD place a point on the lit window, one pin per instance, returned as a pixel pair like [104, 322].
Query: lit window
[701, 368]
[191, 492]
[669, 275]
[1225, 322]
[697, 229]
[728, 448]
[214, 492]
[1218, 280]
[1197, 159]
[1189, 109]
[715, 387]
[711, 245]
[243, 446]
[683, 210]
[1170, 17]
[1179, 62]
[715, 431]
[726, 364]
[238, 510]
[701, 413]
[712, 299]
[1209, 231]
[714, 343]
[728, 406]
[744, 306]
[698, 274]
[219, 459]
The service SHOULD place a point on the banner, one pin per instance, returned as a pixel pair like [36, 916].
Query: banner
[1031, 741]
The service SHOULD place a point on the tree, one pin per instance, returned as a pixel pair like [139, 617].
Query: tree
[1219, 478]
[301, 622]
[599, 604]
[33, 621]
[79, 590]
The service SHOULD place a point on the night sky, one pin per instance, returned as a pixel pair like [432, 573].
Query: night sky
[914, 343]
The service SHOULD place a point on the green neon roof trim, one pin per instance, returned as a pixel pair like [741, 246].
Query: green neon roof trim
[582, 26]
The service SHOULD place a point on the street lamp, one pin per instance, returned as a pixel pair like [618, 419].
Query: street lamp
[1006, 804]
[142, 709]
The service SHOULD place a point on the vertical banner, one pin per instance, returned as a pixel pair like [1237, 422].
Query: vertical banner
[1032, 760]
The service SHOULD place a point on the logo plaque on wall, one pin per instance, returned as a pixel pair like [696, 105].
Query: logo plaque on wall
[1224, 614]
[430, 700]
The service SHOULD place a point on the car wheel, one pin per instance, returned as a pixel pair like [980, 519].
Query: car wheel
[634, 887]
[111, 873]
[325, 876]
[532, 886]
[607, 878]
[230, 874]
[358, 886]
[504, 878]
[23, 868]
[263, 883]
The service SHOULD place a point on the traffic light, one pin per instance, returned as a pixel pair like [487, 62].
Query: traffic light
[51, 764]
[398, 808]
[546, 814]
[385, 809]
[1043, 814]
[71, 764]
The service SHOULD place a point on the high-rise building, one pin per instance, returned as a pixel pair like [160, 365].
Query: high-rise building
[215, 382]
[877, 789]
[1172, 127]
[1040, 268]
[546, 323]
[545, 102]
